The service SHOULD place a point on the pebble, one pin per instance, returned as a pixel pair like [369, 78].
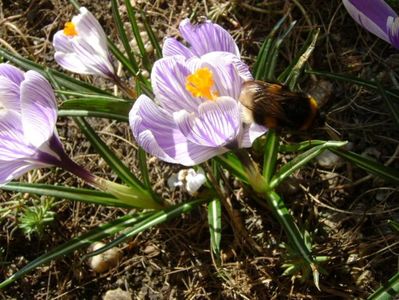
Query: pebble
[103, 262]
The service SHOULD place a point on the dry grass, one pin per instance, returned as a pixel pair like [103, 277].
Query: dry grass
[346, 208]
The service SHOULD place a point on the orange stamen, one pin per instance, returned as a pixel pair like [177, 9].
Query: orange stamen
[200, 84]
[70, 29]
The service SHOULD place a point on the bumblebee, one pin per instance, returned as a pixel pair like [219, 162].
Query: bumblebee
[274, 106]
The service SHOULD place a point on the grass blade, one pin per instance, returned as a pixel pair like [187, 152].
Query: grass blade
[301, 160]
[62, 79]
[274, 53]
[215, 226]
[270, 154]
[122, 34]
[364, 83]
[302, 146]
[115, 163]
[370, 166]
[387, 291]
[91, 113]
[295, 237]
[136, 32]
[259, 68]
[76, 194]
[232, 163]
[392, 107]
[153, 39]
[291, 74]
[113, 107]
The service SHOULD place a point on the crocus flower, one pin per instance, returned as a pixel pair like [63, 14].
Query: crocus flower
[203, 38]
[377, 17]
[199, 115]
[29, 140]
[81, 47]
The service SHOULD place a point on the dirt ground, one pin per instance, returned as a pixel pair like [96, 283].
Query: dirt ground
[345, 208]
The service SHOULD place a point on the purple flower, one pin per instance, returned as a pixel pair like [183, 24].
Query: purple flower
[199, 115]
[28, 113]
[203, 38]
[81, 47]
[29, 140]
[377, 17]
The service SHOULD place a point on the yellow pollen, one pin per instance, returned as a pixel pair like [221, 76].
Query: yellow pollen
[200, 84]
[70, 29]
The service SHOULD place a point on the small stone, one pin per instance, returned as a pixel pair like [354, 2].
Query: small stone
[103, 262]
[117, 294]
[329, 160]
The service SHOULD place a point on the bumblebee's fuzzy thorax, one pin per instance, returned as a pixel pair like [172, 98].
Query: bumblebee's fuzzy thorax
[274, 106]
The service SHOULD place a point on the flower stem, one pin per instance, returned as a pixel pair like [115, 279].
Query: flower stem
[132, 196]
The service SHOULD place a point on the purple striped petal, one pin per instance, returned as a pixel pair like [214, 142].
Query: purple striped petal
[226, 77]
[207, 37]
[13, 144]
[38, 108]
[13, 169]
[217, 124]
[88, 27]
[172, 47]
[9, 94]
[371, 14]
[250, 133]
[12, 73]
[156, 132]
[65, 55]
[168, 79]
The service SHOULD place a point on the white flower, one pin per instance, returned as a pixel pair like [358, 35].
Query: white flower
[81, 47]
[189, 179]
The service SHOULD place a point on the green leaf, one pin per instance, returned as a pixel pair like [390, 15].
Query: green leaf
[370, 166]
[262, 60]
[76, 194]
[233, 164]
[115, 108]
[392, 107]
[136, 32]
[270, 154]
[146, 176]
[388, 291]
[114, 162]
[122, 34]
[153, 39]
[394, 225]
[86, 239]
[274, 53]
[302, 146]
[62, 79]
[291, 74]
[349, 79]
[91, 113]
[301, 160]
[295, 237]
[215, 226]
